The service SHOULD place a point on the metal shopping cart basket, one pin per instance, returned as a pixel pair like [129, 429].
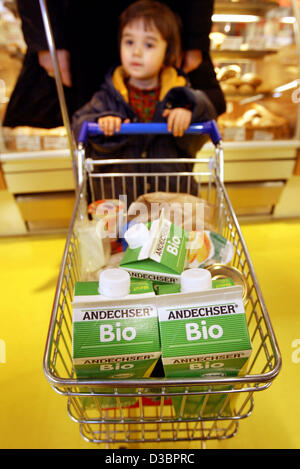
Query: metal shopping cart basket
[143, 410]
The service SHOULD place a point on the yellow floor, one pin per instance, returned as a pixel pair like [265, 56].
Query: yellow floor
[34, 416]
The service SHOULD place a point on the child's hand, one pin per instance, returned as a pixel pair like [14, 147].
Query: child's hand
[111, 124]
[179, 120]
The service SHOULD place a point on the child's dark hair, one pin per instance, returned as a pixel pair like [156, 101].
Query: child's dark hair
[167, 23]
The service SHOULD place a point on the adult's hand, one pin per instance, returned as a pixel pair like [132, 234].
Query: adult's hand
[63, 58]
[191, 60]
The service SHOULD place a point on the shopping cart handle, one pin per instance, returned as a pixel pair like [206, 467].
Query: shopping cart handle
[92, 129]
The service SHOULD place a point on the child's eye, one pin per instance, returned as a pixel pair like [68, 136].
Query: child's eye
[129, 42]
[149, 45]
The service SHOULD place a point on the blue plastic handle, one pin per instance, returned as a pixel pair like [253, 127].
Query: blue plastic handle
[92, 129]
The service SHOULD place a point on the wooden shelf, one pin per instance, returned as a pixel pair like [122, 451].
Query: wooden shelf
[234, 55]
[254, 7]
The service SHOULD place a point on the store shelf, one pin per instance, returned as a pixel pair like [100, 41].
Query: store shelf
[236, 55]
[254, 7]
[46, 210]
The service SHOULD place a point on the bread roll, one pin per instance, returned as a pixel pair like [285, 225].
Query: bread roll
[246, 89]
[251, 79]
[227, 88]
[235, 81]
[229, 71]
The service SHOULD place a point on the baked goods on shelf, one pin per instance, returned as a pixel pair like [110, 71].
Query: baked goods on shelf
[232, 81]
[252, 122]
[228, 71]
[34, 139]
[216, 40]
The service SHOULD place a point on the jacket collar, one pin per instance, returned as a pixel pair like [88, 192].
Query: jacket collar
[169, 78]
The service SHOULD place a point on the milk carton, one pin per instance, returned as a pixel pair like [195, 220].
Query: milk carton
[203, 334]
[114, 338]
[157, 253]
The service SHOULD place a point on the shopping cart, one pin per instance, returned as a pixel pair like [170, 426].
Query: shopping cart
[152, 418]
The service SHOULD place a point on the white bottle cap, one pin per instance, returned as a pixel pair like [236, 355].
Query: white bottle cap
[114, 283]
[136, 235]
[195, 280]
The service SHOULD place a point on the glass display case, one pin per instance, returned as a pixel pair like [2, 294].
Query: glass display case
[255, 50]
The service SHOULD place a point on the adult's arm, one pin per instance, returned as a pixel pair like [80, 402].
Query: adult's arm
[33, 26]
[196, 22]
[35, 37]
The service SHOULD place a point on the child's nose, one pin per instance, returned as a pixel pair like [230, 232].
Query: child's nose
[137, 50]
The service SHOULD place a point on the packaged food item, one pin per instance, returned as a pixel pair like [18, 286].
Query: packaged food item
[170, 288]
[167, 288]
[225, 273]
[188, 211]
[94, 248]
[114, 337]
[155, 252]
[222, 282]
[203, 334]
[195, 280]
[212, 329]
[208, 247]
[111, 212]
[22, 138]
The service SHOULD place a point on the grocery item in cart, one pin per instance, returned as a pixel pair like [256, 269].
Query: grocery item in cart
[190, 280]
[227, 273]
[114, 337]
[111, 212]
[159, 255]
[94, 248]
[186, 210]
[203, 334]
[207, 247]
[195, 280]
[168, 288]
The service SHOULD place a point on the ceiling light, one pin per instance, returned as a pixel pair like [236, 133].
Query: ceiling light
[288, 20]
[216, 18]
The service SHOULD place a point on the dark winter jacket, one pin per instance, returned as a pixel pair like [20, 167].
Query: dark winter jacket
[112, 99]
[89, 32]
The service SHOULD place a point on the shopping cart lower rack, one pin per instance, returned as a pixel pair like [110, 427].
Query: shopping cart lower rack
[142, 411]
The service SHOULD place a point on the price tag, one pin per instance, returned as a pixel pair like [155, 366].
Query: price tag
[53, 142]
[28, 142]
[262, 135]
[236, 134]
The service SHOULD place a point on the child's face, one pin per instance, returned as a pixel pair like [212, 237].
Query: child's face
[142, 53]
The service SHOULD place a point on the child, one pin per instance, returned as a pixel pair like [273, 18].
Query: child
[147, 87]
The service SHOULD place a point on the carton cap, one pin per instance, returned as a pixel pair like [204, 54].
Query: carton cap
[192, 280]
[114, 283]
[137, 235]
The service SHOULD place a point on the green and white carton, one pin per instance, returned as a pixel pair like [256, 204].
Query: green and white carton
[114, 338]
[203, 334]
[162, 256]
